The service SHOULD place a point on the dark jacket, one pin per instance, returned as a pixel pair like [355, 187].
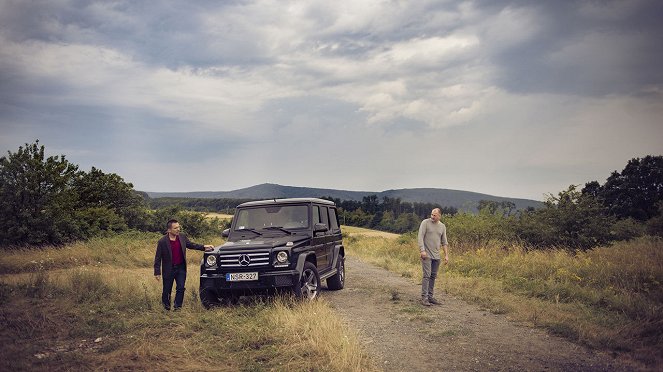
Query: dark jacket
[165, 255]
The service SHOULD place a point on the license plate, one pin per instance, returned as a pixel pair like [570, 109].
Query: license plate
[240, 277]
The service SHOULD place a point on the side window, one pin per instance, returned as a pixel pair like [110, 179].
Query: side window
[324, 216]
[333, 221]
[316, 214]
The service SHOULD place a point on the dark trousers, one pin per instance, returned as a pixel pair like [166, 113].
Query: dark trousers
[178, 275]
[430, 268]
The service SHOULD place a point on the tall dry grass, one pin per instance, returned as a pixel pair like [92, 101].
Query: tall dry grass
[102, 310]
[608, 298]
[127, 250]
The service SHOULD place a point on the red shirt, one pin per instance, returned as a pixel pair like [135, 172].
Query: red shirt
[176, 249]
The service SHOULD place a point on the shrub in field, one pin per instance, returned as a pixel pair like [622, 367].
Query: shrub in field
[193, 223]
[655, 225]
[46, 200]
[36, 199]
[570, 220]
[466, 230]
[98, 221]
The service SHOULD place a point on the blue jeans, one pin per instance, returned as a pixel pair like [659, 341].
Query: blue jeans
[178, 275]
[430, 268]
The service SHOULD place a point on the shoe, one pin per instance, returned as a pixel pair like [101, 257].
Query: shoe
[433, 301]
[425, 302]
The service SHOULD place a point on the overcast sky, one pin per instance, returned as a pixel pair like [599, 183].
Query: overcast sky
[509, 98]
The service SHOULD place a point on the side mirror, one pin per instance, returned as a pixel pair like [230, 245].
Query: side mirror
[320, 227]
[225, 233]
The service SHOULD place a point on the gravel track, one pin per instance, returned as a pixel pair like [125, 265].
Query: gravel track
[403, 335]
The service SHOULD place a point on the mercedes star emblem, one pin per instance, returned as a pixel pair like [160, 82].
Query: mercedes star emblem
[244, 260]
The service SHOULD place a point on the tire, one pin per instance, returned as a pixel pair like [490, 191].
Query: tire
[209, 298]
[337, 281]
[309, 283]
[230, 300]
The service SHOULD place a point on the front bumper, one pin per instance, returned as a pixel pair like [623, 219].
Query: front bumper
[267, 280]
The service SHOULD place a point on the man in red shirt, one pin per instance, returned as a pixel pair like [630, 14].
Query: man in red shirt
[171, 253]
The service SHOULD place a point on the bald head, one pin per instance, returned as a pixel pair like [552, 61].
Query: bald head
[435, 214]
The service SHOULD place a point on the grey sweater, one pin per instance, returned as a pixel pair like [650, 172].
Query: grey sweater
[431, 237]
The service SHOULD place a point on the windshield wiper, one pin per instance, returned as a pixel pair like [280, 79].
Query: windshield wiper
[278, 228]
[249, 229]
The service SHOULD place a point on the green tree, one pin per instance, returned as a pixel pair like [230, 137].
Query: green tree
[655, 225]
[193, 223]
[635, 192]
[406, 222]
[97, 189]
[36, 197]
[370, 204]
[387, 222]
[570, 220]
[505, 208]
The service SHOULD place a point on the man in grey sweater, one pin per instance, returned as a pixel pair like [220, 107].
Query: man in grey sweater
[432, 235]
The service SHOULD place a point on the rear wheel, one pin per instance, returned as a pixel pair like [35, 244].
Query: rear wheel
[337, 281]
[309, 283]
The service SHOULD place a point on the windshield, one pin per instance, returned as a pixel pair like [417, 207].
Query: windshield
[286, 217]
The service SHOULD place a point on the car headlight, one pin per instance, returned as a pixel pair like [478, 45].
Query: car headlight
[211, 260]
[282, 257]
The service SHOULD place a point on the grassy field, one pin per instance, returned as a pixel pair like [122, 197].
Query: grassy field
[609, 298]
[220, 216]
[96, 305]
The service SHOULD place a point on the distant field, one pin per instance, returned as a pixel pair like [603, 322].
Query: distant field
[220, 216]
[356, 231]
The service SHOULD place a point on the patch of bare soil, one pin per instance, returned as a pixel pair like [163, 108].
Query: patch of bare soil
[404, 335]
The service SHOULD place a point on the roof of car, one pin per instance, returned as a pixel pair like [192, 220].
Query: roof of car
[286, 201]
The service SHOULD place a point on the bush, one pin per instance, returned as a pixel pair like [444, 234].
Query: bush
[475, 230]
[36, 200]
[46, 200]
[99, 221]
[193, 223]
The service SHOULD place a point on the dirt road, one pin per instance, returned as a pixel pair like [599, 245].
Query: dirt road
[403, 335]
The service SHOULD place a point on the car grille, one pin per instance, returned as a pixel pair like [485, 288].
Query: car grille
[255, 259]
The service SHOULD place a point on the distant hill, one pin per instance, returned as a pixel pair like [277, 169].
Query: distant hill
[462, 200]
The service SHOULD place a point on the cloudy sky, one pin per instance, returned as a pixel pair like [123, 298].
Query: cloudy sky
[509, 98]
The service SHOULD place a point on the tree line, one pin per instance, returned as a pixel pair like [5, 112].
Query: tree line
[48, 200]
[388, 214]
[628, 205]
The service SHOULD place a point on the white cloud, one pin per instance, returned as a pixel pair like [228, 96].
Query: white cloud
[515, 100]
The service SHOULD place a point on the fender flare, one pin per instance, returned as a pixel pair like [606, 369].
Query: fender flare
[300, 263]
[337, 253]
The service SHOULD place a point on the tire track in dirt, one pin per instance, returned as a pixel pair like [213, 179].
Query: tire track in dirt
[403, 335]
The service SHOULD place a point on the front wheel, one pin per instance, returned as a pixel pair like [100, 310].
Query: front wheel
[209, 298]
[309, 283]
[337, 281]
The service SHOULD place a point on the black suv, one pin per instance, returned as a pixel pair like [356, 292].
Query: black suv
[280, 244]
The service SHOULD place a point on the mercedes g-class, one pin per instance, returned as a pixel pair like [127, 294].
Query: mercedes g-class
[287, 245]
